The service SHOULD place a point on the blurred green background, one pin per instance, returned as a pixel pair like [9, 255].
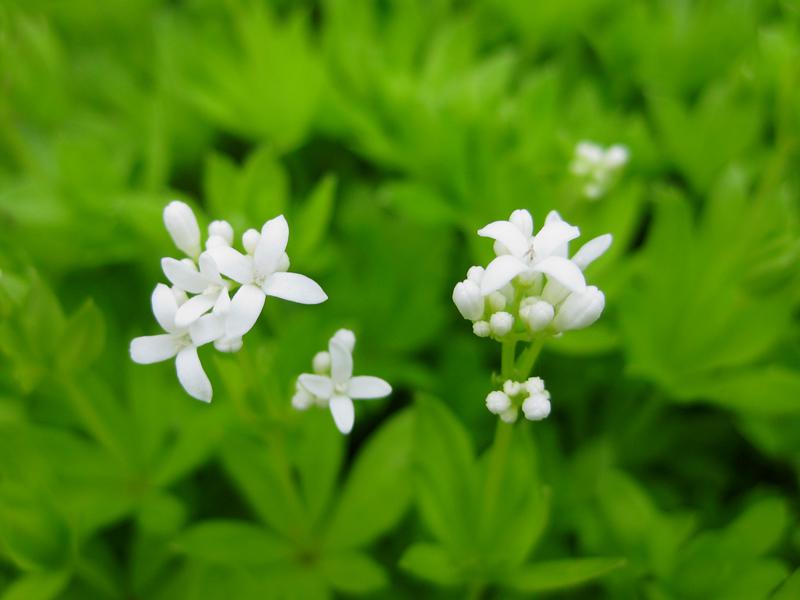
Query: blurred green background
[388, 131]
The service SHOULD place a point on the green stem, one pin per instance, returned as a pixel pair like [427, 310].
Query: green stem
[528, 358]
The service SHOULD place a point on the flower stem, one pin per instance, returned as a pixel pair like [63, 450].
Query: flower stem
[528, 358]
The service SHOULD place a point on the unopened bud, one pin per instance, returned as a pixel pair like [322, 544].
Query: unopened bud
[580, 309]
[223, 229]
[536, 407]
[476, 274]
[250, 239]
[322, 363]
[481, 329]
[302, 399]
[182, 227]
[346, 338]
[537, 315]
[496, 300]
[501, 323]
[511, 388]
[497, 402]
[468, 299]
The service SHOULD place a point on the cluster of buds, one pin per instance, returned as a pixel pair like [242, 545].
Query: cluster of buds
[332, 384]
[198, 308]
[531, 289]
[530, 396]
[597, 167]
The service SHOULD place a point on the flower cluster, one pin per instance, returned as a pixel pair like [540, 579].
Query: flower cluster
[597, 167]
[532, 288]
[198, 309]
[529, 395]
[332, 384]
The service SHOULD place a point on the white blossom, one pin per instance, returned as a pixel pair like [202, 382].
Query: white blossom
[178, 342]
[338, 389]
[597, 167]
[263, 274]
[206, 282]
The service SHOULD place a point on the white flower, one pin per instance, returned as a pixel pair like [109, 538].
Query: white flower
[262, 275]
[207, 283]
[178, 342]
[498, 402]
[529, 254]
[580, 309]
[597, 166]
[182, 227]
[468, 299]
[340, 388]
[346, 338]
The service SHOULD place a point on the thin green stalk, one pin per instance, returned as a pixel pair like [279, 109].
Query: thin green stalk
[528, 358]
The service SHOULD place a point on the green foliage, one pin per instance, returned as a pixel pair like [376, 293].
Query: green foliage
[387, 132]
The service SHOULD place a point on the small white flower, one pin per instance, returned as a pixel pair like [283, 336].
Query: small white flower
[501, 323]
[261, 275]
[182, 226]
[178, 342]
[322, 363]
[340, 388]
[497, 402]
[537, 314]
[250, 240]
[580, 309]
[481, 329]
[597, 167]
[468, 299]
[206, 282]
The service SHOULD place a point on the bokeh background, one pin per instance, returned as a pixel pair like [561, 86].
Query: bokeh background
[388, 131]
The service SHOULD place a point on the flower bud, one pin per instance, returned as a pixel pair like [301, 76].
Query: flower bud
[182, 227]
[216, 241]
[468, 299]
[523, 220]
[250, 239]
[616, 156]
[497, 402]
[228, 344]
[510, 415]
[476, 274]
[501, 323]
[537, 315]
[346, 338]
[322, 363]
[580, 309]
[497, 301]
[302, 399]
[223, 229]
[511, 388]
[481, 329]
[535, 385]
[536, 407]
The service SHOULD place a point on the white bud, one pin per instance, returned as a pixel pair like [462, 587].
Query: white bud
[616, 156]
[501, 323]
[580, 309]
[523, 221]
[283, 263]
[468, 299]
[536, 407]
[497, 402]
[537, 315]
[476, 274]
[322, 363]
[216, 241]
[182, 227]
[223, 229]
[228, 344]
[302, 399]
[250, 239]
[511, 388]
[589, 152]
[593, 190]
[497, 301]
[510, 415]
[534, 385]
[481, 329]
[346, 338]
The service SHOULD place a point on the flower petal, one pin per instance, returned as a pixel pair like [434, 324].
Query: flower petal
[245, 309]
[164, 307]
[553, 237]
[233, 263]
[592, 250]
[564, 271]
[500, 272]
[523, 220]
[319, 385]
[507, 234]
[191, 375]
[209, 269]
[365, 387]
[206, 329]
[341, 362]
[194, 308]
[295, 288]
[182, 276]
[150, 349]
[343, 412]
[271, 245]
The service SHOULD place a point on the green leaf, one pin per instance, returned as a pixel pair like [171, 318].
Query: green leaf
[758, 529]
[83, 338]
[37, 586]
[314, 217]
[790, 589]
[560, 574]
[232, 543]
[353, 573]
[377, 492]
[431, 562]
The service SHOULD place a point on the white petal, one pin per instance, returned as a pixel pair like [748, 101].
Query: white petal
[191, 375]
[319, 385]
[563, 271]
[209, 269]
[500, 272]
[341, 362]
[295, 288]
[153, 348]
[553, 217]
[233, 263]
[366, 387]
[343, 413]
[523, 219]
[164, 306]
[553, 236]
[182, 276]
[592, 250]
[507, 234]
[193, 309]
[271, 245]
[206, 329]
[223, 303]
[245, 309]
[182, 227]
